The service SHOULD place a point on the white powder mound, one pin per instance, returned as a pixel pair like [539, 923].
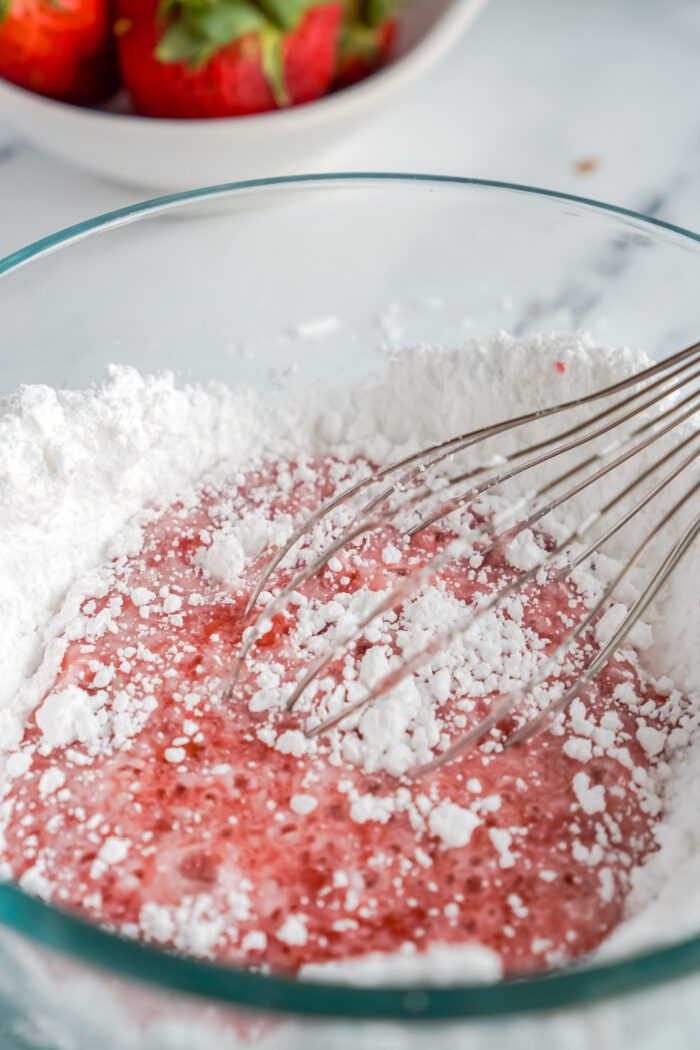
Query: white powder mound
[441, 964]
[79, 470]
[235, 546]
[75, 467]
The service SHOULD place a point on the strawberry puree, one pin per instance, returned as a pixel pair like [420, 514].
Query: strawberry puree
[189, 826]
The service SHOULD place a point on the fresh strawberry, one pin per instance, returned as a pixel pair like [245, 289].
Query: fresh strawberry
[220, 58]
[368, 34]
[60, 48]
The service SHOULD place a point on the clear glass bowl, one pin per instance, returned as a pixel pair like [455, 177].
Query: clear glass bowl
[237, 283]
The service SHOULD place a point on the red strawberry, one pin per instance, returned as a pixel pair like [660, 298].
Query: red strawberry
[220, 58]
[60, 48]
[367, 37]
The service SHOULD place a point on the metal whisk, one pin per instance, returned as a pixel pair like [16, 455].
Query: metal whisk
[645, 409]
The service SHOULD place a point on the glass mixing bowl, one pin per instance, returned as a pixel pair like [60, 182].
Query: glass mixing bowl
[279, 284]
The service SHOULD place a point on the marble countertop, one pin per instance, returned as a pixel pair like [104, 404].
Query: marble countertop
[597, 98]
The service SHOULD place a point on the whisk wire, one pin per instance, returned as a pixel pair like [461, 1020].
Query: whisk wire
[421, 576]
[360, 525]
[418, 482]
[683, 358]
[503, 705]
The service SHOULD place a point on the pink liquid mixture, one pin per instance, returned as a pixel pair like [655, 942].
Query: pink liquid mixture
[188, 834]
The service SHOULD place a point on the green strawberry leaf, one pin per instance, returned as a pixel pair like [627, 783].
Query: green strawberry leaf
[287, 14]
[272, 43]
[184, 7]
[377, 11]
[180, 44]
[198, 29]
[4, 9]
[359, 40]
[225, 22]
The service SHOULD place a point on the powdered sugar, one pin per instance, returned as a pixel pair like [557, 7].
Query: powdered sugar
[440, 964]
[591, 799]
[452, 824]
[406, 728]
[76, 468]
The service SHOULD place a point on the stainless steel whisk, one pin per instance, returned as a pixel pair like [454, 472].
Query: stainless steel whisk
[670, 387]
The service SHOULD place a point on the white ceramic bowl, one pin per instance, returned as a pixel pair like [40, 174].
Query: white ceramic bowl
[177, 154]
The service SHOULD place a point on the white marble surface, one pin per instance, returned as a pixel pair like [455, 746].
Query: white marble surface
[534, 88]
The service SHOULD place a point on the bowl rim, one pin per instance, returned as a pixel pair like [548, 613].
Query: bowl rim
[111, 952]
[435, 42]
[165, 202]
